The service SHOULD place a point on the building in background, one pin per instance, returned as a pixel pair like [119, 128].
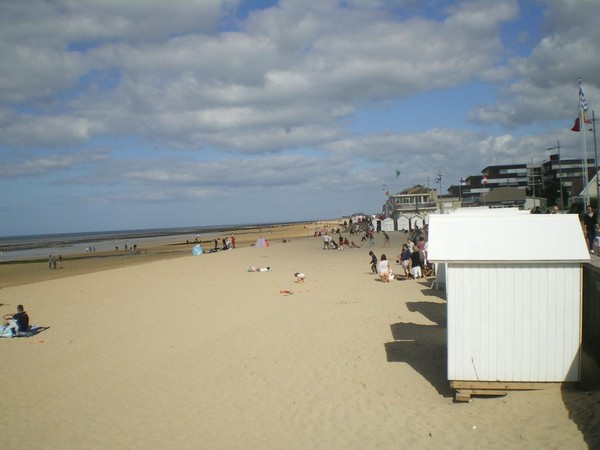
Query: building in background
[538, 181]
[410, 205]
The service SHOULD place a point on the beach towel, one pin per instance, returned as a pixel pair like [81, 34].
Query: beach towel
[5, 332]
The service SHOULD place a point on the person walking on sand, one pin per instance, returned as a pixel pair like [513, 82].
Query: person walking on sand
[386, 237]
[373, 262]
[405, 260]
[326, 241]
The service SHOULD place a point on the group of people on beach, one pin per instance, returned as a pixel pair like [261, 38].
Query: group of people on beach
[412, 259]
[329, 242]
[55, 262]
[227, 243]
[382, 268]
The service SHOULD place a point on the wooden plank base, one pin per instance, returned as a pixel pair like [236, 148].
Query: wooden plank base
[465, 389]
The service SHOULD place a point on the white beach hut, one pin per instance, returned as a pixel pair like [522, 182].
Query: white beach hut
[513, 286]
[403, 223]
[417, 221]
[387, 224]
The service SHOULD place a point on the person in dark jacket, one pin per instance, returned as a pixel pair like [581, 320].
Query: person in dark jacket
[590, 220]
[18, 322]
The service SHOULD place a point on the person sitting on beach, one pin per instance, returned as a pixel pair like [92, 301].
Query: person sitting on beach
[428, 270]
[300, 277]
[385, 272]
[18, 322]
[258, 269]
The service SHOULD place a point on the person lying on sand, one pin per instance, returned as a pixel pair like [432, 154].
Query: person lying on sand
[258, 269]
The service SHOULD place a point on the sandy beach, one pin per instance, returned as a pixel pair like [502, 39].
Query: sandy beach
[23, 272]
[181, 351]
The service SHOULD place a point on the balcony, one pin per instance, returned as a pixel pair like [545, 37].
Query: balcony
[413, 206]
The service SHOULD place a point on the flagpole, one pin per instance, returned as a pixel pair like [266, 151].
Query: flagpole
[595, 159]
[582, 109]
[562, 203]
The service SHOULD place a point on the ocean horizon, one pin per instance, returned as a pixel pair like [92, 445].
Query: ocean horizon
[14, 248]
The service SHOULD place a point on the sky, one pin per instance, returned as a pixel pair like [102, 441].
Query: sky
[149, 114]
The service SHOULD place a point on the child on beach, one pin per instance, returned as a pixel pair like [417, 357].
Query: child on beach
[373, 262]
[385, 271]
[299, 277]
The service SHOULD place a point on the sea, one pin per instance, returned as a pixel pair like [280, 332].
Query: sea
[18, 248]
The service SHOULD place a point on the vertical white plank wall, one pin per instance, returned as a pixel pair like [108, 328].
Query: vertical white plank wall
[514, 322]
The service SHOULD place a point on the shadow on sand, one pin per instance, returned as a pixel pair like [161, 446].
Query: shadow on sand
[583, 399]
[584, 411]
[423, 347]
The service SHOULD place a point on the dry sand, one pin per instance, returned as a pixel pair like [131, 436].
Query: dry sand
[196, 352]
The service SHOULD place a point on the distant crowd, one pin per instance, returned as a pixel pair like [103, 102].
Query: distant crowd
[412, 258]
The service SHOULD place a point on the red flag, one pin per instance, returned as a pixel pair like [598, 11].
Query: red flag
[576, 126]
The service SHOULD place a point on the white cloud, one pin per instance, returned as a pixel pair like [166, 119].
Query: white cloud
[289, 68]
[546, 81]
[192, 102]
[27, 130]
[49, 164]
[39, 54]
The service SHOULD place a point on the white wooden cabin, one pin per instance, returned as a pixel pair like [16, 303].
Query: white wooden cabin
[513, 286]
[417, 221]
[403, 223]
[387, 224]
